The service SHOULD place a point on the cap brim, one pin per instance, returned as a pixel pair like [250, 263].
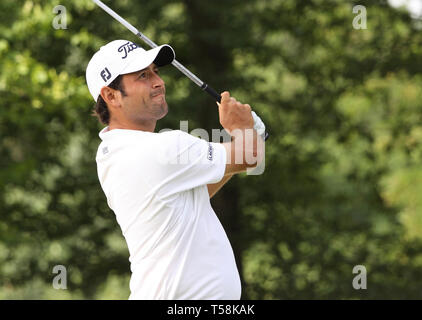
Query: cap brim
[161, 56]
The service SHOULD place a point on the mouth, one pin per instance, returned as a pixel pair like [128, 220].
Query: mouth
[157, 94]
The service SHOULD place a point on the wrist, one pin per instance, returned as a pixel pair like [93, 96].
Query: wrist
[240, 132]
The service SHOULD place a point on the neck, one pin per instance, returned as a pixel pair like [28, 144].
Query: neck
[145, 126]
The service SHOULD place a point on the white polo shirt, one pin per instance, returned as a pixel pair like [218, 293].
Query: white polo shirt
[156, 184]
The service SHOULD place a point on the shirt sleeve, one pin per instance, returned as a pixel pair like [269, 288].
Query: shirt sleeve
[185, 162]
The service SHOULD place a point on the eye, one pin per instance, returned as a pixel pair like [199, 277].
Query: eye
[142, 75]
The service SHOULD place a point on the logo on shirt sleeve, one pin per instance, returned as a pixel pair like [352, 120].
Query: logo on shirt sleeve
[210, 152]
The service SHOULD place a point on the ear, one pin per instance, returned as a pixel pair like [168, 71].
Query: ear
[111, 97]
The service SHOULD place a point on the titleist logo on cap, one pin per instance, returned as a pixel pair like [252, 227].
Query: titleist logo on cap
[127, 47]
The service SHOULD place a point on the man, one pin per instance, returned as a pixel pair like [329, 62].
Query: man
[159, 184]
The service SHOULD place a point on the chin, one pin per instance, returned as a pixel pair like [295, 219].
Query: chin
[164, 110]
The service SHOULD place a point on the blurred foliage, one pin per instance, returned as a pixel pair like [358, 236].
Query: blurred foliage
[343, 179]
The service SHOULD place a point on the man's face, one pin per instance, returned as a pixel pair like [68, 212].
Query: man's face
[145, 99]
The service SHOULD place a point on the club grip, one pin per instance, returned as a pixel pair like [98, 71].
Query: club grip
[217, 97]
[212, 92]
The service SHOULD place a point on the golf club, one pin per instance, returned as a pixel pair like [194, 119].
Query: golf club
[152, 44]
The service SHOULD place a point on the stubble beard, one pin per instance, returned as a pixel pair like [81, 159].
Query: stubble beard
[160, 107]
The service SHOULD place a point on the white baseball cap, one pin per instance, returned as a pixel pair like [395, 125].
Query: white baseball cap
[121, 57]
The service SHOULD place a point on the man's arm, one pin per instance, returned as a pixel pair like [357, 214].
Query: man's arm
[246, 148]
[252, 149]
[215, 187]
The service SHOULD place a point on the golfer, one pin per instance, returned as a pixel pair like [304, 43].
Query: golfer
[159, 185]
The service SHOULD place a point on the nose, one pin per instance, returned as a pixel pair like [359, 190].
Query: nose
[157, 81]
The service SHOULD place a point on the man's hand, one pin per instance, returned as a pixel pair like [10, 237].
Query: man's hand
[233, 114]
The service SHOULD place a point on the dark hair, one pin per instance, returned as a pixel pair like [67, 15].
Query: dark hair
[101, 110]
